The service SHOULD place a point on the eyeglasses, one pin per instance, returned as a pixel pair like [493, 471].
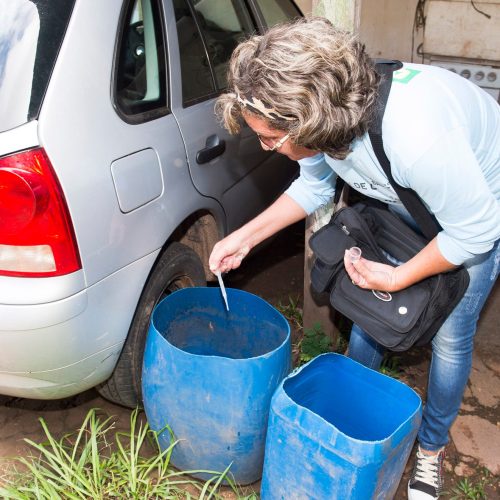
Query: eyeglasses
[271, 145]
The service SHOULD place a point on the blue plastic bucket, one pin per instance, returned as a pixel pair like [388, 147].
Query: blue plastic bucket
[210, 375]
[338, 430]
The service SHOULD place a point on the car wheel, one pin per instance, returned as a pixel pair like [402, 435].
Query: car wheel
[178, 267]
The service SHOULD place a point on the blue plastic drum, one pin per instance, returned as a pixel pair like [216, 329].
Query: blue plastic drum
[210, 374]
[338, 430]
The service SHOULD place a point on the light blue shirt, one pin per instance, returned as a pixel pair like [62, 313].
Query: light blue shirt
[442, 136]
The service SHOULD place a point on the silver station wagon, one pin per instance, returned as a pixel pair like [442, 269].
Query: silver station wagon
[115, 178]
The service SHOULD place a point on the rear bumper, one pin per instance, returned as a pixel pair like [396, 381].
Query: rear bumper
[58, 349]
[51, 384]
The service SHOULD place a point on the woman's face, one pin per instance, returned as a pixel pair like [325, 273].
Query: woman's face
[270, 136]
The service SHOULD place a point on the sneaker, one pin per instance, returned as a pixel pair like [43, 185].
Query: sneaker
[426, 481]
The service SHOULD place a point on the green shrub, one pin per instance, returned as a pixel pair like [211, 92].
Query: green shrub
[314, 342]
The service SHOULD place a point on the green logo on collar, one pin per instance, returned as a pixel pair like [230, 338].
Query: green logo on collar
[404, 75]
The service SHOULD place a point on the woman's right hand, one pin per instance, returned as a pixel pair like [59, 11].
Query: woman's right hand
[228, 253]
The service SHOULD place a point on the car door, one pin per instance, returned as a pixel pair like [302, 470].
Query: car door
[235, 170]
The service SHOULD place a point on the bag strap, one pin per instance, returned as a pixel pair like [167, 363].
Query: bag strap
[339, 185]
[424, 219]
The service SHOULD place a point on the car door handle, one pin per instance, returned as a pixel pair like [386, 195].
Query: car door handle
[213, 147]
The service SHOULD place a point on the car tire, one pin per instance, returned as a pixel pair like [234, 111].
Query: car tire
[178, 267]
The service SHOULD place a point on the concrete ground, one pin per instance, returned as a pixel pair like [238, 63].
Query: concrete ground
[276, 274]
[476, 432]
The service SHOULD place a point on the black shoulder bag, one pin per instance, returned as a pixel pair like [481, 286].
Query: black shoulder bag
[396, 320]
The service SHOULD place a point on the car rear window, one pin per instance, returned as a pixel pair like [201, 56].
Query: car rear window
[31, 33]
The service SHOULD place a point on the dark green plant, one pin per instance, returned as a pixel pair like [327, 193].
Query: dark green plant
[391, 365]
[342, 343]
[314, 343]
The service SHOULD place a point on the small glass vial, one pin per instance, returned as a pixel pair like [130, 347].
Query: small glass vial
[354, 254]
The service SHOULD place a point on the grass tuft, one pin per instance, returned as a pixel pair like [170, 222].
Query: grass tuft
[292, 311]
[89, 465]
[466, 490]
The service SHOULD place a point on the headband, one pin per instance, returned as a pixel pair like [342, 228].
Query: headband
[258, 106]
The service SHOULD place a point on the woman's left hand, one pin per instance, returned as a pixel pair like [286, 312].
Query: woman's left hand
[372, 275]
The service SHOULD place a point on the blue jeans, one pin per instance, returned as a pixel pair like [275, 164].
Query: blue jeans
[451, 352]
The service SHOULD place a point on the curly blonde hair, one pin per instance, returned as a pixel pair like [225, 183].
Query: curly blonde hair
[317, 77]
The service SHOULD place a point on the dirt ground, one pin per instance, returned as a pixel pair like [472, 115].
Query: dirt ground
[276, 274]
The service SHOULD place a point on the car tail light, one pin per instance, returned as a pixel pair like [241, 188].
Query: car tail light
[36, 233]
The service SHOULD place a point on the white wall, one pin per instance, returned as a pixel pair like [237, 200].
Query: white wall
[386, 27]
[454, 28]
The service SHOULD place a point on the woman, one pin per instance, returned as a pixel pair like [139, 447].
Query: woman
[308, 91]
